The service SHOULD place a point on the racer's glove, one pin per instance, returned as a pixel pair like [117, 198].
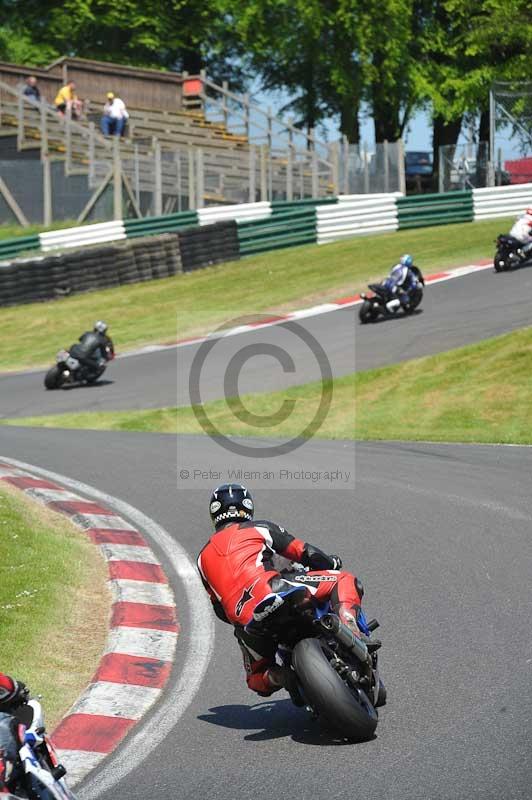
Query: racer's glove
[22, 694]
[337, 562]
[314, 559]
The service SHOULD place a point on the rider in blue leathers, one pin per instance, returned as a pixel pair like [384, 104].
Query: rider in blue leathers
[401, 280]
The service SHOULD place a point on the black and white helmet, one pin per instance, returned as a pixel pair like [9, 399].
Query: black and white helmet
[230, 501]
[100, 327]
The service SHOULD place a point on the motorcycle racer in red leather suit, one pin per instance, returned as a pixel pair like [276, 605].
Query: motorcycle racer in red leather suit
[238, 569]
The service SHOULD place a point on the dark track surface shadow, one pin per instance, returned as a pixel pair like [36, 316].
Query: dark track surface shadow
[393, 318]
[277, 719]
[96, 385]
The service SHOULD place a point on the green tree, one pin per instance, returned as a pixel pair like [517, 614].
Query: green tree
[171, 34]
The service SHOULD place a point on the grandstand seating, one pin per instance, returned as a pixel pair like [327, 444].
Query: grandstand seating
[187, 143]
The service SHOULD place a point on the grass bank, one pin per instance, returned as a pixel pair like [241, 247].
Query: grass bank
[195, 303]
[54, 604]
[478, 393]
[13, 231]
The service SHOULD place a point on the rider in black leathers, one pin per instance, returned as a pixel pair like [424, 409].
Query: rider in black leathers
[94, 347]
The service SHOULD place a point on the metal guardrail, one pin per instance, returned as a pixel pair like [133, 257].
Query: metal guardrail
[10, 248]
[435, 209]
[356, 215]
[501, 201]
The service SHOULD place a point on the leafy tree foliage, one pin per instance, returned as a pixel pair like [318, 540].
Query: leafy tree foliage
[334, 57]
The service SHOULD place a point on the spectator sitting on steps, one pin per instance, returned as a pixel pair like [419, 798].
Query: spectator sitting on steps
[67, 99]
[31, 90]
[114, 117]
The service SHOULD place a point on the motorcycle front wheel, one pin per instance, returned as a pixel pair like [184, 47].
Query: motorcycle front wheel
[52, 379]
[343, 709]
[368, 312]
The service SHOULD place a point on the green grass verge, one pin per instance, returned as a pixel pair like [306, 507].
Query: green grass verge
[478, 393]
[13, 231]
[195, 303]
[54, 603]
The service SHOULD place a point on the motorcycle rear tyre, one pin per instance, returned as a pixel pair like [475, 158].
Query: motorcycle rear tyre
[367, 312]
[52, 379]
[337, 705]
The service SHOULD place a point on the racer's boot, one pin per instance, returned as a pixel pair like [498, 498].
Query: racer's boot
[349, 615]
[285, 678]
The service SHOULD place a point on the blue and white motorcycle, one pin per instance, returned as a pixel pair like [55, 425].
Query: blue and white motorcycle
[29, 767]
[384, 300]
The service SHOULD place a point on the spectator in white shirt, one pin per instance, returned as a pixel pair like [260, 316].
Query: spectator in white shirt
[114, 116]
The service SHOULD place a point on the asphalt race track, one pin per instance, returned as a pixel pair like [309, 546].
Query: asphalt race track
[440, 534]
[454, 313]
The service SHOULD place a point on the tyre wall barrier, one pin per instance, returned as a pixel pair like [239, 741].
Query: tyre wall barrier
[209, 244]
[59, 275]
[418, 211]
[501, 201]
[154, 247]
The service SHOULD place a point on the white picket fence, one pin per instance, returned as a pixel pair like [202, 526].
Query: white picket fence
[357, 215]
[501, 201]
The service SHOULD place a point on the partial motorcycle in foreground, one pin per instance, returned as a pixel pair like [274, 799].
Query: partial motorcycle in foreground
[68, 370]
[29, 767]
[509, 254]
[335, 672]
[383, 301]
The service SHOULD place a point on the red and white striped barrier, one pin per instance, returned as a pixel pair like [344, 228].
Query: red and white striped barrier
[143, 630]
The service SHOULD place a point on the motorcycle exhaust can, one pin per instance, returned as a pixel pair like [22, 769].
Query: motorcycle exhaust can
[332, 624]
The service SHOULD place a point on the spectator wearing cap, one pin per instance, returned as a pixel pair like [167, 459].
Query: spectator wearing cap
[114, 117]
[31, 90]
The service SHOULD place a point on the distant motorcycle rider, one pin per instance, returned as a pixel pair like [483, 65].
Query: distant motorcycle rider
[402, 279]
[245, 585]
[95, 347]
[522, 231]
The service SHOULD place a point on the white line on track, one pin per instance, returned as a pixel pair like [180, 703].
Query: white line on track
[180, 693]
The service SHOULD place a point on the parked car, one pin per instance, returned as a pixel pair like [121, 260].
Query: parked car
[418, 170]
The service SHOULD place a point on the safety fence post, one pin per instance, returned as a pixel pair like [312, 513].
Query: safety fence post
[263, 176]
[200, 178]
[252, 172]
[314, 162]
[158, 188]
[345, 159]
[191, 179]
[289, 176]
[117, 180]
